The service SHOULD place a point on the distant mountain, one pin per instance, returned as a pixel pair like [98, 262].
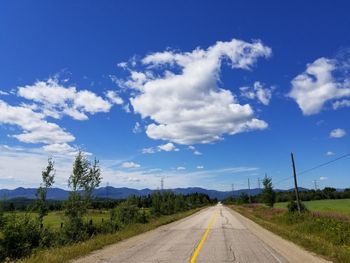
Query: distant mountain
[124, 192]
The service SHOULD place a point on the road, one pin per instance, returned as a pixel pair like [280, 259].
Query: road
[216, 234]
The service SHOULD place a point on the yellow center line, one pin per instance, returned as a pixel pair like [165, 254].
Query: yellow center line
[194, 257]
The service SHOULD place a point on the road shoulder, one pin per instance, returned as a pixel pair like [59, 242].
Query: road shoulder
[288, 249]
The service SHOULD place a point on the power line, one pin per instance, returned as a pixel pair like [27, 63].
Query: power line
[324, 164]
[314, 168]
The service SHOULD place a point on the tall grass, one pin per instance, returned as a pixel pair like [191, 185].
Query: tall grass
[324, 235]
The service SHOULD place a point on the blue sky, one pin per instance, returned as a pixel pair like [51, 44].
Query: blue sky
[201, 93]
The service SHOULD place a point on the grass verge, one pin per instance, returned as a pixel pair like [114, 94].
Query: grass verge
[329, 237]
[66, 253]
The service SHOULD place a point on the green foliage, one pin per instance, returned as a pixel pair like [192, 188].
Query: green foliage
[20, 235]
[243, 198]
[293, 207]
[48, 176]
[85, 177]
[127, 213]
[268, 195]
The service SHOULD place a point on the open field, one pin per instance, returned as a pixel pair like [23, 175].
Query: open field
[54, 219]
[330, 205]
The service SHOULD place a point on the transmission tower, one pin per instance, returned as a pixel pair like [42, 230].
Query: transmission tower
[161, 183]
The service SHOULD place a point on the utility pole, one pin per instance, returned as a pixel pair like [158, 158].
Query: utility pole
[259, 186]
[233, 189]
[250, 199]
[295, 183]
[161, 183]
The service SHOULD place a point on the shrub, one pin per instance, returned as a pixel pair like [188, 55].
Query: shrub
[293, 207]
[21, 234]
[126, 213]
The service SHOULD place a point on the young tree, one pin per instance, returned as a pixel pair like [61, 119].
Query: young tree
[85, 177]
[48, 179]
[268, 195]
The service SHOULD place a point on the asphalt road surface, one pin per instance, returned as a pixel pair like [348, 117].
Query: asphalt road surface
[216, 234]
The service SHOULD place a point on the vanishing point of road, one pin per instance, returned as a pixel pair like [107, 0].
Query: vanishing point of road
[216, 234]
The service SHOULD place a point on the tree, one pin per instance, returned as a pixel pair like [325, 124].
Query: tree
[85, 177]
[83, 180]
[268, 195]
[48, 177]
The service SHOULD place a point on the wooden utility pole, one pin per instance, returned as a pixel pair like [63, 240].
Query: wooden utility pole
[295, 184]
[250, 199]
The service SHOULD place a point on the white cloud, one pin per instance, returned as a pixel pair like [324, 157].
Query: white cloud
[3, 93]
[263, 95]
[337, 133]
[168, 147]
[317, 85]
[55, 100]
[137, 128]
[130, 165]
[35, 129]
[322, 178]
[149, 150]
[330, 153]
[195, 151]
[179, 93]
[200, 167]
[114, 98]
[23, 166]
[180, 168]
[341, 104]
[60, 148]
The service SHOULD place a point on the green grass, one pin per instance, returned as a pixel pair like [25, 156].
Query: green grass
[66, 253]
[337, 205]
[324, 235]
[54, 219]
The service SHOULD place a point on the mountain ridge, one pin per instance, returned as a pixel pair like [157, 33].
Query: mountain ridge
[124, 192]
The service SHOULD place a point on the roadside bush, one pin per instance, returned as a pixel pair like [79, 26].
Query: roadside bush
[21, 234]
[74, 230]
[293, 207]
[126, 213]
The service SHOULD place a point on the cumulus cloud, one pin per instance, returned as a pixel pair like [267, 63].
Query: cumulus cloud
[181, 168]
[258, 92]
[4, 93]
[130, 165]
[168, 147]
[35, 129]
[316, 86]
[341, 104]
[322, 178]
[337, 133]
[179, 92]
[114, 97]
[200, 167]
[55, 100]
[330, 153]
[60, 148]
